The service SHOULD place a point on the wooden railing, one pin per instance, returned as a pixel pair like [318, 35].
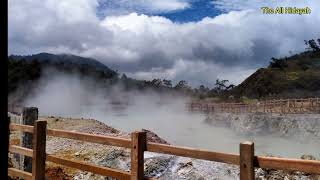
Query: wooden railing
[286, 106]
[15, 109]
[138, 145]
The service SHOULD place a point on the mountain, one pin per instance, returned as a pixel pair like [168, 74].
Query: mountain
[66, 59]
[24, 72]
[289, 77]
[27, 69]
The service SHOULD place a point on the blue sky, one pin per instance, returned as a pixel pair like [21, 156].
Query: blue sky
[193, 40]
[196, 10]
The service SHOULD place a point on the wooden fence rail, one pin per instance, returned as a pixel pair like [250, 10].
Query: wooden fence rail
[138, 145]
[285, 106]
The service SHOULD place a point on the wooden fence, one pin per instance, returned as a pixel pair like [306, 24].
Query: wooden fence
[15, 109]
[138, 145]
[284, 106]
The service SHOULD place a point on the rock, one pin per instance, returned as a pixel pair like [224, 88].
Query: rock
[185, 165]
[10, 164]
[308, 157]
[117, 159]
[156, 166]
[266, 174]
[289, 125]
[187, 171]
[57, 173]
[101, 129]
[153, 137]
[260, 174]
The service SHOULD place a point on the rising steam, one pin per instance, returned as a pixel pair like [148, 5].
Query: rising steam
[59, 94]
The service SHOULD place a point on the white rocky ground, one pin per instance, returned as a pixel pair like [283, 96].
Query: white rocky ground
[298, 125]
[156, 165]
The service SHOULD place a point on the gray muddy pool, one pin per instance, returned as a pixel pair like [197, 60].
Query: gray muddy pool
[193, 130]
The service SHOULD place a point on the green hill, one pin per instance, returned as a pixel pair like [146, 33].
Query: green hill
[25, 70]
[295, 76]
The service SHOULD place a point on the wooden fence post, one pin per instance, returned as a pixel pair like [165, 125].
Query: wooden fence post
[39, 150]
[8, 128]
[139, 142]
[4, 158]
[246, 161]
[29, 116]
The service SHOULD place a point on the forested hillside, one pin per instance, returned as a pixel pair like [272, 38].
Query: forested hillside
[295, 76]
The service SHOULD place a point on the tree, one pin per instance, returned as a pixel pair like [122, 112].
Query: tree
[313, 45]
[231, 86]
[182, 85]
[167, 83]
[306, 43]
[203, 89]
[220, 86]
[156, 82]
[124, 77]
[278, 63]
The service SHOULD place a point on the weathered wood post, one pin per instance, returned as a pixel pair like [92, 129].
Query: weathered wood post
[311, 105]
[8, 128]
[39, 150]
[318, 104]
[29, 116]
[246, 161]
[138, 146]
[4, 159]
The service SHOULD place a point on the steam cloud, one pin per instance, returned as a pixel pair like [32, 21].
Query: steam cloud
[66, 95]
[59, 94]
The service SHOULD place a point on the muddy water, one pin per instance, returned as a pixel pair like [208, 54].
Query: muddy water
[189, 129]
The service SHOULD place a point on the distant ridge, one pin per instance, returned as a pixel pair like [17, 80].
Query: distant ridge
[67, 59]
[25, 71]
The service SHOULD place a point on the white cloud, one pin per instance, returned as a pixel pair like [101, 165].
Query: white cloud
[198, 72]
[168, 5]
[121, 7]
[72, 11]
[149, 46]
